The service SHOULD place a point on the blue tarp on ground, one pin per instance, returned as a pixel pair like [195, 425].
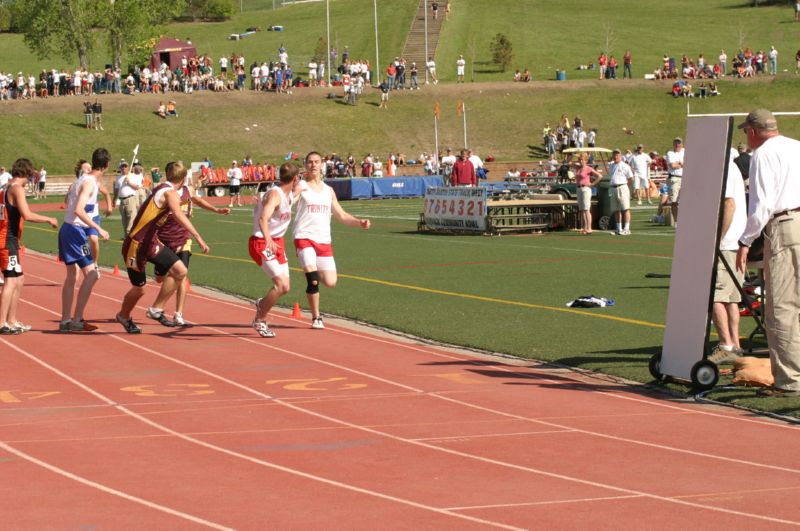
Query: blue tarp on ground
[375, 188]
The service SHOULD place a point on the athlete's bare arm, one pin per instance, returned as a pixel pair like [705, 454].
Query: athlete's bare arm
[173, 201]
[271, 201]
[109, 205]
[202, 203]
[347, 219]
[17, 196]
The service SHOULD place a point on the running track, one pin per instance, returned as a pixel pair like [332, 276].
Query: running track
[215, 427]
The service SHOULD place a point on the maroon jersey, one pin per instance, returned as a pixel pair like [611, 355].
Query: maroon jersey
[172, 233]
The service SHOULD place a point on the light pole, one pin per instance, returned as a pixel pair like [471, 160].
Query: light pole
[377, 69]
[426, 42]
[328, 38]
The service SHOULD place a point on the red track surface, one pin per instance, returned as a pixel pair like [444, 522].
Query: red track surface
[341, 428]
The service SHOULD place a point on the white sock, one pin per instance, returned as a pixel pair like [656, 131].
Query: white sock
[627, 226]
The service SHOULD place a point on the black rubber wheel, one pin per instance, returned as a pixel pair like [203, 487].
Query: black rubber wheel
[705, 375]
[655, 367]
[604, 223]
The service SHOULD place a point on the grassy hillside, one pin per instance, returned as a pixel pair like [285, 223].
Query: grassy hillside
[550, 35]
[545, 35]
[504, 119]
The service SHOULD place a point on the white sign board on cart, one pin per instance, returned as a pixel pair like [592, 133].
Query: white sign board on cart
[691, 287]
[456, 208]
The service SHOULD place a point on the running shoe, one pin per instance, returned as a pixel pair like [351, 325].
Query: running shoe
[81, 326]
[720, 355]
[263, 329]
[64, 327]
[128, 325]
[178, 319]
[8, 331]
[22, 327]
[158, 315]
[317, 324]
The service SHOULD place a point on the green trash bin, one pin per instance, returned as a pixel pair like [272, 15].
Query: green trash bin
[603, 216]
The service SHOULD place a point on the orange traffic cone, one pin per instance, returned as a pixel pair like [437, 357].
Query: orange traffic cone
[296, 314]
[188, 285]
[116, 270]
[58, 259]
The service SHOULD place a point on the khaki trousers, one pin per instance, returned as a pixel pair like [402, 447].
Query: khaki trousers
[128, 208]
[782, 272]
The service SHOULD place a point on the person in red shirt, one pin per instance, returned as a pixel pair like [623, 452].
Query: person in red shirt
[464, 171]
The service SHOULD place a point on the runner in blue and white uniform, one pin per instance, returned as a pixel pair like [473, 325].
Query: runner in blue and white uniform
[73, 244]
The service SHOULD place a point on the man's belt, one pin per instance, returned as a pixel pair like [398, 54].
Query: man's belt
[618, 185]
[786, 212]
[127, 197]
[673, 176]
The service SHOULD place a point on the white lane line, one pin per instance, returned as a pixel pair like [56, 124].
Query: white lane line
[88, 482]
[551, 502]
[238, 455]
[490, 460]
[488, 435]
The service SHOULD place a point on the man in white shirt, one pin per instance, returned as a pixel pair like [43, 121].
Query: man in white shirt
[725, 313]
[447, 165]
[775, 210]
[223, 65]
[127, 193]
[675, 171]
[431, 66]
[773, 61]
[312, 73]
[640, 163]
[477, 163]
[460, 64]
[621, 176]
[234, 183]
[4, 176]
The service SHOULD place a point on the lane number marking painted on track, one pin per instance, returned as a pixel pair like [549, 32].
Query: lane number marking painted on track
[317, 384]
[172, 389]
[14, 396]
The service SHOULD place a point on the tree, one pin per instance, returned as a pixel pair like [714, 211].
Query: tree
[58, 26]
[132, 25]
[321, 50]
[502, 53]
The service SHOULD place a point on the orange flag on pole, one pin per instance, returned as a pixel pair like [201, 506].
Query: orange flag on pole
[460, 107]
[437, 111]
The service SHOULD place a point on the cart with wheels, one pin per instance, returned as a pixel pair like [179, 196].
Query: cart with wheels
[691, 290]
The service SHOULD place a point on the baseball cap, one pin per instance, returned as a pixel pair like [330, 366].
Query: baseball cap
[760, 119]
[616, 150]
[640, 146]
[677, 140]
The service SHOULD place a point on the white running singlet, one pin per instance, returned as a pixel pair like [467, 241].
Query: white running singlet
[313, 218]
[72, 200]
[281, 216]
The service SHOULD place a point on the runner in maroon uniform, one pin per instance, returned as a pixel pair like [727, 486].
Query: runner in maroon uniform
[143, 245]
[179, 239]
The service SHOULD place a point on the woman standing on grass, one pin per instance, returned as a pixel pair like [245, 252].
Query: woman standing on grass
[584, 184]
[316, 201]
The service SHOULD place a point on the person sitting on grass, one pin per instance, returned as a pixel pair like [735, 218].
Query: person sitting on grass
[171, 109]
[162, 110]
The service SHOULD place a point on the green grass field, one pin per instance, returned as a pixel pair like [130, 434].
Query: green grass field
[502, 294]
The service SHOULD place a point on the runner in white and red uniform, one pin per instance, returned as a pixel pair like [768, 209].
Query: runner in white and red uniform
[312, 232]
[271, 219]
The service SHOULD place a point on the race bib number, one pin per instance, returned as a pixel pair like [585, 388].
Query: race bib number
[85, 250]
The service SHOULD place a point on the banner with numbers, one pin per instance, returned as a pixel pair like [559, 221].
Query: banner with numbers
[455, 208]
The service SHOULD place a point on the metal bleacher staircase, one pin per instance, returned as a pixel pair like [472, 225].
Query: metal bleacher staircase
[414, 49]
